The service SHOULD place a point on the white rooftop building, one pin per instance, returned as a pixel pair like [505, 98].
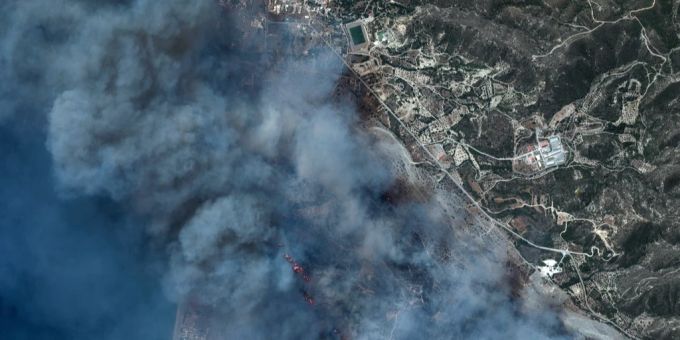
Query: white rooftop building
[550, 268]
[546, 154]
[552, 152]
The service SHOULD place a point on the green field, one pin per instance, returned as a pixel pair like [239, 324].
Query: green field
[357, 35]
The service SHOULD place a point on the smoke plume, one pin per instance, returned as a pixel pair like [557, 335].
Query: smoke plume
[146, 105]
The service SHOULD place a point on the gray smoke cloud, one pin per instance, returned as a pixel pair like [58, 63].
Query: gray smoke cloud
[146, 106]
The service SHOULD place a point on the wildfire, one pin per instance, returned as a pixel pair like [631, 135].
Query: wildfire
[308, 298]
[299, 270]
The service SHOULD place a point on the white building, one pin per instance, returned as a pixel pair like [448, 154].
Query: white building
[550, 268]
[547, 153]
[552, 152]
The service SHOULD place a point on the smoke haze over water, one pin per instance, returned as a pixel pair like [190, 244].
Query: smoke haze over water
[168, 167]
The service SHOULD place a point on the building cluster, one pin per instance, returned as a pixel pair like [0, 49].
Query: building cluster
[283, 7]
[550, 267]
[545, 154]
[296, 8]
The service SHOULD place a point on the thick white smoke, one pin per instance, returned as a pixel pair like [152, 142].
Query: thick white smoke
[146, 112]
